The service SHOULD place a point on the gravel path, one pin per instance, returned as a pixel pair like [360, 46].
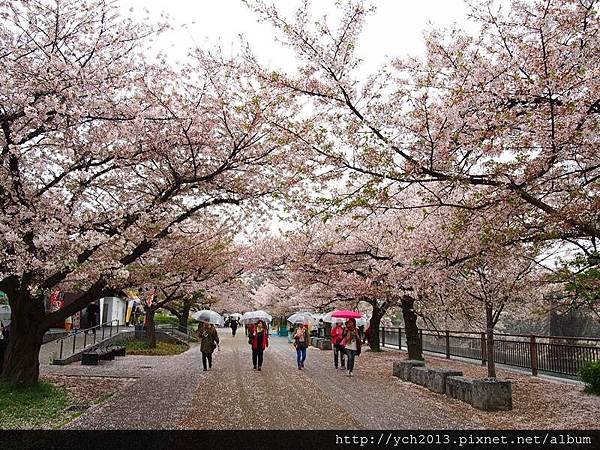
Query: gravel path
[172, 392]
[234, 396]
[157, 400]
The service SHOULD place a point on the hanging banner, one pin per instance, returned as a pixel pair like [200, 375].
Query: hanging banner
[132, 299]
[57, 301]
[150, 297]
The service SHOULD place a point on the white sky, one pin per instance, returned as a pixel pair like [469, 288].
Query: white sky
[396, 28]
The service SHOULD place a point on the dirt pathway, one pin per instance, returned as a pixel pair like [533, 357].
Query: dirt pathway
[234, 396]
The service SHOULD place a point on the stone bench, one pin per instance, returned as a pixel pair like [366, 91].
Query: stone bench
[437, 379]
[460, 388]
[89, 358]
[324, 344]
[419, 375]
[105, 354]
[491, 394]
[118, 350]
[313, 341]
[401, 369]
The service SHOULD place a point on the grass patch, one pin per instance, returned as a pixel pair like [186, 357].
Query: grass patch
[141, 347]
[29, 407]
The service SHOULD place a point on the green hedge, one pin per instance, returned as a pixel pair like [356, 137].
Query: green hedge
[590, 375]
[166, 319]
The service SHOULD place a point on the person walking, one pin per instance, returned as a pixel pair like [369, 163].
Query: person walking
[351, 342]
[209, 339]
[259, 339]
[301, 342]
[367, 335]
[234, 326]
[92, 312]
[337, 334]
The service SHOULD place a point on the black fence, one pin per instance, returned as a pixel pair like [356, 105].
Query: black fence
[557, 355]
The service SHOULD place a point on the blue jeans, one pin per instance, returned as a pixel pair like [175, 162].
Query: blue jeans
[350, 364]
[301, 356]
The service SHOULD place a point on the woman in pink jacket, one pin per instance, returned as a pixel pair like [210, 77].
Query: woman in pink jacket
[337, 333]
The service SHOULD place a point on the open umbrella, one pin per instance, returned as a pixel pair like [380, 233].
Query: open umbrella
[346, 314]
[303, 317]
[333, 320]
[236, 316]
[206, 315]
[363, 321]
[255, 316]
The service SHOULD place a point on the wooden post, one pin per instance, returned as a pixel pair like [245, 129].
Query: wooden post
[533, 355]
[483, 350]
[447, 344]
[399, 338]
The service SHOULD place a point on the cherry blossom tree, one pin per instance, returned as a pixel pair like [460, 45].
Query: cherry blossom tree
[185, 267]
[511, 112]
[104, 153]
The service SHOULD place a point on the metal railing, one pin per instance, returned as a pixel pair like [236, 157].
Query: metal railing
[90, 337]
[559, 355]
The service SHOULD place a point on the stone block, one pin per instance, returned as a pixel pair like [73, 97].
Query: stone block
[490, 394]
[419, 375]
[326, 344]
[401, 369]
[437, 379]
[460, 388]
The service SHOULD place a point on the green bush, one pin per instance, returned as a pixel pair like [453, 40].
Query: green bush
[161, 318]
[165, 319]
[590, 375]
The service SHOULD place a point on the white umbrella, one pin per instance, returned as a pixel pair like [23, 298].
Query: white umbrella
[255, 316]
[206, 315]
[303, 317]
[363, 322]
[333, 320]
[235, 316]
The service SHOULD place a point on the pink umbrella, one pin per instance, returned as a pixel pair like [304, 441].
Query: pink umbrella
[346, 314]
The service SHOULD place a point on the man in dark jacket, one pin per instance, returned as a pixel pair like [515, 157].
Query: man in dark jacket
[92, 311]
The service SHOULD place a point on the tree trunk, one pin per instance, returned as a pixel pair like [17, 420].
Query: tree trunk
[183, 317]
[21, 362]
[150, 327]
[413, 339]
[491, 365]
[374, 342]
